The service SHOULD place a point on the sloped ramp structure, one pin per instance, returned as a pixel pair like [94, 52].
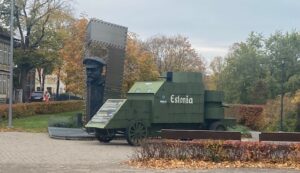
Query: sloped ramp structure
[69, 133]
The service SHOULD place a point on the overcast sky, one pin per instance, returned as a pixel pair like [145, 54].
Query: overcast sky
[212, 26]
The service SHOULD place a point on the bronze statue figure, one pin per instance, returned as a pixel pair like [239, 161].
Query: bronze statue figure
[95, 84]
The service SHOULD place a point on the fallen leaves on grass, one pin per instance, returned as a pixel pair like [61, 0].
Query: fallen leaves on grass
[6, 129]
[198, 164]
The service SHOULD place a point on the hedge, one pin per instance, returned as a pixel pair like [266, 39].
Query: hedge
[247, 115]
[218, 151]
[29, 109]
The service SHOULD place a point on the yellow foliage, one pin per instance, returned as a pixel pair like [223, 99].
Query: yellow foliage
[139, 64]
[210, 82]
[296, 97]
[271, 114]
[72, 53]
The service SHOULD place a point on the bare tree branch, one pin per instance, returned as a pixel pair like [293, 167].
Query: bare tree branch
[19, 27]
[43, 32]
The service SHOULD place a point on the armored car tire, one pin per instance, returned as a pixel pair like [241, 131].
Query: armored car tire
[136, 133]
[218, 126]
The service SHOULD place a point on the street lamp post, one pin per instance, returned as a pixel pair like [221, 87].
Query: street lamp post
[282, 95]
[11, 63]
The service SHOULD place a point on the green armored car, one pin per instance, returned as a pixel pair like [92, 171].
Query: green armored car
[178, 101]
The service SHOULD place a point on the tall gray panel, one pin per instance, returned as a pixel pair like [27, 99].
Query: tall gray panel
[107, 41]
[106, 34]
[114, 73]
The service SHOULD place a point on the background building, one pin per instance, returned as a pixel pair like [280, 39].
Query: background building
[4, 65]
[50, 84]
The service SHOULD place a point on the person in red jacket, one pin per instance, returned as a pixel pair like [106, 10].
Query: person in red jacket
[46, 96]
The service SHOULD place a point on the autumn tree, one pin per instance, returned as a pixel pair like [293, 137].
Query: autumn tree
[73, 53]
[283, 54]
[32, 23]
[52, 61]
[262, 68]
[174, 54]
[244, 74]
[139, 63]
[216, 66]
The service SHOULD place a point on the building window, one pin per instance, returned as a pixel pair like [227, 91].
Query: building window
[1, 53]
[3, 84]
[4, 53]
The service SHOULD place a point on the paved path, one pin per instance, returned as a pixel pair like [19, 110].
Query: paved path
[36, 152]
[32, 151]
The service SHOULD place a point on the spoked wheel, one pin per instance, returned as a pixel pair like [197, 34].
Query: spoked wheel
[136, 133]
[218, 126]
[104, 136]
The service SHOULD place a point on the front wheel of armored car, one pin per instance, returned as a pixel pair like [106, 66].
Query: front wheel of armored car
[218, 126]
[135, 133]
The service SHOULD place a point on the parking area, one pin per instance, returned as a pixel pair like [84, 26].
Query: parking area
[36, 152]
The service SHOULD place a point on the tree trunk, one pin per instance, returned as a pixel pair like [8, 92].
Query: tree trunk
[298, 118]
[25, 88]
[43, 82]
[39, 70]
[58, 84]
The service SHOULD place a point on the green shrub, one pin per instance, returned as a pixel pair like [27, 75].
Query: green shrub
[245, 131]
[66, 122]
[29, 109]
[218, 151]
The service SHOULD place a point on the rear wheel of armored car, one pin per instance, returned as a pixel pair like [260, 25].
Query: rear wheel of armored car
[218, 126]
[104, 136]
[135, 133]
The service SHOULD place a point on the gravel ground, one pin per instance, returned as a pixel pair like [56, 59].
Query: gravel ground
[36, 152]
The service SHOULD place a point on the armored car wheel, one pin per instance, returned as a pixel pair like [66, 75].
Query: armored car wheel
[218, 126]
[135, 133]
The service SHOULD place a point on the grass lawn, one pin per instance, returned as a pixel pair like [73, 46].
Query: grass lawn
[36, 123]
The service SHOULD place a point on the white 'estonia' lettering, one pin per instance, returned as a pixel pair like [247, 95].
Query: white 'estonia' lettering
[181, 100]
